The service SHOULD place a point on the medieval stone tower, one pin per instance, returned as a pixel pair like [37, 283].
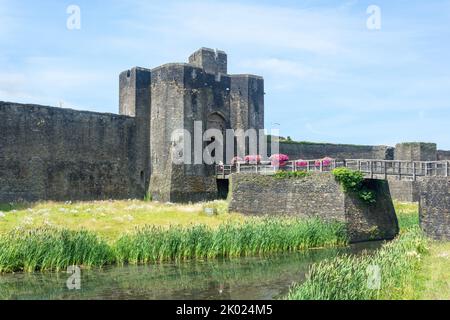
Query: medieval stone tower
[175, 96]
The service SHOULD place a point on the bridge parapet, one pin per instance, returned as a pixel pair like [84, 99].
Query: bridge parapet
[374, 169]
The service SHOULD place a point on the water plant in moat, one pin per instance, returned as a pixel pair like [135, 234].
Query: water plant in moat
[48, 249]
[51, 249]
[348, 277]
[154, 244]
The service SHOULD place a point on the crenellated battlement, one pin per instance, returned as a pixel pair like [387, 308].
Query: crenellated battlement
[212, 61]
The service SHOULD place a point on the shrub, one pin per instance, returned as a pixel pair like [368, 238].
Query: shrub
[291, 174]
[326, 162]
[353, 182]
[279, 160]
[301, 163]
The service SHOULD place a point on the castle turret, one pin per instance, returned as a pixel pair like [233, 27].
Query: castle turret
[211, 61]
[135, 101]
[191, 97]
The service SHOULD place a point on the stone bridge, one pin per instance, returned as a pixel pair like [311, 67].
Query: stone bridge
[373, 169]
[270, 196]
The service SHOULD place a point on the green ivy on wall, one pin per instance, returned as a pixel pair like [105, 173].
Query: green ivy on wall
[291, 174]
[353, 181]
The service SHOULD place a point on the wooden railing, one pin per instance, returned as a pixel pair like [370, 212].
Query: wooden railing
[379, 169]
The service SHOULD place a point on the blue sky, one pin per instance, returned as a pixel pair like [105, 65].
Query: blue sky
[328, 77]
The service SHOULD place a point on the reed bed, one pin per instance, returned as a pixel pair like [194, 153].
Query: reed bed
[258, 237]
[51, 249]
[46, 249]
[347, 277]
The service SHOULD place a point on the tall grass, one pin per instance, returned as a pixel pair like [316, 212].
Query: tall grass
[346, 277]
[47, 249]
[51, 249]
[258, 237]
[407, 214]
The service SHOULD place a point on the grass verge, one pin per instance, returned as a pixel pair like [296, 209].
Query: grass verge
[111, 219]
[347, 277]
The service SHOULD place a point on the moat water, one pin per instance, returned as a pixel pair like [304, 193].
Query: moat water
[245, 278]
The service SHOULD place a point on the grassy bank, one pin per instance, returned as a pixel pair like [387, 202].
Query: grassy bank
[432, 281]
[111, 219]
[47, 249]
[407, 214]
[346, 277]
[412, 267]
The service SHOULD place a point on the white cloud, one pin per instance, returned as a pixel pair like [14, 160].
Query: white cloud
[239, 24]
[47, 80]
[289, 68]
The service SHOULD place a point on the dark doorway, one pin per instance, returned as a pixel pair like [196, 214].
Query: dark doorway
[223, 186]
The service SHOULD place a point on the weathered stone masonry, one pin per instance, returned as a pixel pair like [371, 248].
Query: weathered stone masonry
[316, 196]
[60, 154]
[51, 153]
[435, 207]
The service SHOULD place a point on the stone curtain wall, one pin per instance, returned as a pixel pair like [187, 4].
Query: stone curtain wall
[403, 190]
[416, 151]
[435, 207]
[59, 154]
[318, 195]
[307, 151]
[443, 155]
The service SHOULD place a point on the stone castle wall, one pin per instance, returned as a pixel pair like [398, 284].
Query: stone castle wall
[443, 155]
[416, 151]
[59, 154]
[199, 92]
[434, 207]
[311, 151]
[403, 190]
[317, 195]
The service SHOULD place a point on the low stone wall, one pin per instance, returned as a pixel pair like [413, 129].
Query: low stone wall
[317, 195]
[434, 207]
[405, 191]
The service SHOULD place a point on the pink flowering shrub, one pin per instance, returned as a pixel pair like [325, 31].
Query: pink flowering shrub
[301, 163]
[253, 159]
[326, 162]
[279, 160]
